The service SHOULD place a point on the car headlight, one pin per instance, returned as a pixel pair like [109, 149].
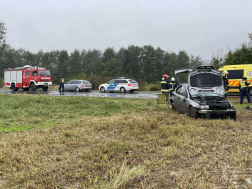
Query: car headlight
[203, 107]
[220, 91]
[193, 91]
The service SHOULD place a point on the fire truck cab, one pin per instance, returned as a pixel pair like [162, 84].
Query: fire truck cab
[27, 77]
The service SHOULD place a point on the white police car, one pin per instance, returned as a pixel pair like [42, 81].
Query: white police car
[120, 84]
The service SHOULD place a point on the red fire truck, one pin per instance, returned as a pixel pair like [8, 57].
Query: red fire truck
[27, 77]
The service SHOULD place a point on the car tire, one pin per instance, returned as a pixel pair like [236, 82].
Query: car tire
[102, 90]
[233, 117]
[122, 90]
[77, 89]
[33, 87]
[131, 91]
[192, 113]
[87, 90]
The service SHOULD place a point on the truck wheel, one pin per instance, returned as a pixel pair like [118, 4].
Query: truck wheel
[26, 89]
[33, 87]
[45, 88]
[14, 88]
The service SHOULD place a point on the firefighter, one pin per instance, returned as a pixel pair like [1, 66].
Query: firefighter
[225, 81]
[243, 87]
[172, 84]
[61, 84]
[165, 86]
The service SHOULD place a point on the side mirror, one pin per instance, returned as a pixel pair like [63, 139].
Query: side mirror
[184, 99]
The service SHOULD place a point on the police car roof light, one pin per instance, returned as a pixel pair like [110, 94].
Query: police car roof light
[121, 78]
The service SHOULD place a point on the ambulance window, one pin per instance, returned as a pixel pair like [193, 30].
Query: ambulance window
[27, 72]
[235, 74]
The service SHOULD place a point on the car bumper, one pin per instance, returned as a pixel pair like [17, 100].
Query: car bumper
[229, 111]
[86, 88]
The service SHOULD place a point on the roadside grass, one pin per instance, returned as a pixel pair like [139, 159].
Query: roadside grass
[19, 113]
[134, 145]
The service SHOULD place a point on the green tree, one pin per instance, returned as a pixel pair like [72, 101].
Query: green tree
[2, 33]
[242, 55]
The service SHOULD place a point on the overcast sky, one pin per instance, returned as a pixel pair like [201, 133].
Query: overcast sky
[200, 27]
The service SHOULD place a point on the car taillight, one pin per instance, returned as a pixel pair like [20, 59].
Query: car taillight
[129, 84]
[83, 85]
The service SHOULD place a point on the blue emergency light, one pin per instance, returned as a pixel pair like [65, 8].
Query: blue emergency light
[121, 78]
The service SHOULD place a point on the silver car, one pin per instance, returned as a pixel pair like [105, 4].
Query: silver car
[203, 95]
[78, 85]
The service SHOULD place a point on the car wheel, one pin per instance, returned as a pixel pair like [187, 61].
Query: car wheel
[102, 89]
[192, 113]
[33, 87]
[77, 89]
[131, 91]
[122, 90]
[232, 116]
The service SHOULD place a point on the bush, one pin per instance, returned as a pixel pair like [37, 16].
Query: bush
[153, 87]
[1, 82]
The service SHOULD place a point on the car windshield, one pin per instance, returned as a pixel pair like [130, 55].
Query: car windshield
[205, 80]
[86, 82]
[44, 73]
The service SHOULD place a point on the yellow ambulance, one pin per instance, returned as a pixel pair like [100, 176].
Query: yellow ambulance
[235, 75]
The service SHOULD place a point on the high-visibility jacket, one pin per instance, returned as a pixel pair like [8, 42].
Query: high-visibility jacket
[164, 85]
[172, 85]
[61, 80]
[244, 84]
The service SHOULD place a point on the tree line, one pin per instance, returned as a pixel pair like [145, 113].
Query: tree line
[146, 64]
[241, 55]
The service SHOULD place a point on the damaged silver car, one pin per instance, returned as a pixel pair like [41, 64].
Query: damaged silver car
[203, 95]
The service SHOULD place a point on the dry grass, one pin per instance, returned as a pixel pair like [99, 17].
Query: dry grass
[147, 149]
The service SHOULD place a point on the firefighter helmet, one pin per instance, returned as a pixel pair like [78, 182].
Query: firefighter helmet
[172, 79]
[165, 76]
[224, 73]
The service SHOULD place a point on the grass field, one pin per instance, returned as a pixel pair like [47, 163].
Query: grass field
[80, 142]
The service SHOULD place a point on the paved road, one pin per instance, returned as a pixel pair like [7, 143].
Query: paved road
[89, 94]
[150, 95]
